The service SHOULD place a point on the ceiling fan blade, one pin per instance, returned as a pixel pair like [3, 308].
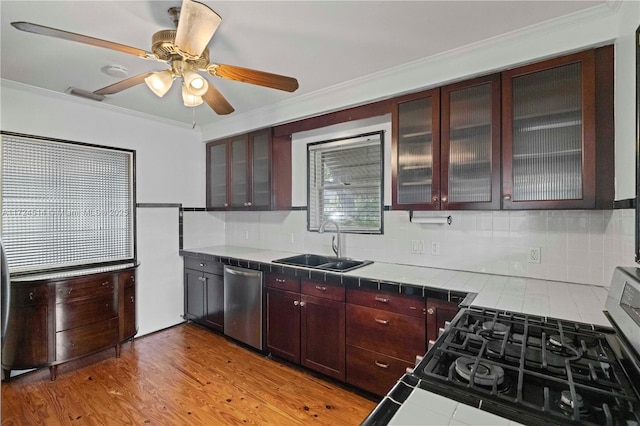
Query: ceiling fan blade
[123, 84]
[217, 102]
[261, 78]
[66, 35]
[196, 26]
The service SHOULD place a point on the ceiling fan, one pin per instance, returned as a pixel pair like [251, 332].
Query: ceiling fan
[185, 51]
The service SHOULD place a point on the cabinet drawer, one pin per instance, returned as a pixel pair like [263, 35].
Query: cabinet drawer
[396, 335]
[324, 290]
[283, 282]
[202, 265]
[373, 371]
[392, 302]
[84, 340]
[80, 312]
[28, 295]
[78, 289]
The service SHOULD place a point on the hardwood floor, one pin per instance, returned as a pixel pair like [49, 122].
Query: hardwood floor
[184, 375]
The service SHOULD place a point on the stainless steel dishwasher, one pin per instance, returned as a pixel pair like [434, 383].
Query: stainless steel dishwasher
[243, 305]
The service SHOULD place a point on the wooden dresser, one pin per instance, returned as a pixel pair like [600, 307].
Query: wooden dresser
[53, 321]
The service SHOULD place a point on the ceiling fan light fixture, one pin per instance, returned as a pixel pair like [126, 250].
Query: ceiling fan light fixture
[195, 83]
[159, 82]
[189, 99]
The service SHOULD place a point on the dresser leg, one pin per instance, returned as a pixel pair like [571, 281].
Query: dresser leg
[53, 372]
[118, 347]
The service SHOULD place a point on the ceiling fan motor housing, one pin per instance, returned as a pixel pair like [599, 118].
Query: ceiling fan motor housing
[163, 45]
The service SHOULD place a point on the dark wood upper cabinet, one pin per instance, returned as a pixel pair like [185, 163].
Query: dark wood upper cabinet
[249, 172]
[540, 136]
[557, 146]
[415, 155]
[470, 144]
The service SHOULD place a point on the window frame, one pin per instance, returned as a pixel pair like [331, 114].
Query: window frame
[133, 208]
[345, 140]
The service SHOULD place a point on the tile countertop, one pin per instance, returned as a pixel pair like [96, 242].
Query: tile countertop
[574, 302]
[555, 299]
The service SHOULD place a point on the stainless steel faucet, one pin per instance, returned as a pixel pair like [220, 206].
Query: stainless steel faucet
[335, 240]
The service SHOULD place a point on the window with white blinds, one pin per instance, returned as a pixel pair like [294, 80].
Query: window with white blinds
[65, 204]
[345, 179]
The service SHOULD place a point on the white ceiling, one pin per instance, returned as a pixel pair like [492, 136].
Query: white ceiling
[321, 43]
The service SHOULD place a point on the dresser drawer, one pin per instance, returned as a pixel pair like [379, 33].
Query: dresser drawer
[28, 294]
[202, 265]
[80, 312]
[373, 371]
[396, 335]
[324, 290]
[283, 282]
[101, 285]
[84, 340]
[392, 302]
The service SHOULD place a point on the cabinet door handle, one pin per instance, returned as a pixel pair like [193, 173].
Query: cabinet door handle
[321, 288]
[133, 279]
[507, 197]
[226, 204]
[444, 198]
[431, 311]
[280, 280]
[382, 299]
[31, 295]
[302, 303]
[203, 264]
[296, 302]
[434, 199]
[249, 204]
[133, 299]
[382, 364]
[382, 321]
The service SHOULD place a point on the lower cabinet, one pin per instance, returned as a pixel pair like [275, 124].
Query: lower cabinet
[305, 323]
[204, 292]
[384, 334]
[322, 325]
[438, 313]
[55, 321]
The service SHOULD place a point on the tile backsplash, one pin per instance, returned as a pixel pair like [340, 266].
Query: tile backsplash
[573, 246]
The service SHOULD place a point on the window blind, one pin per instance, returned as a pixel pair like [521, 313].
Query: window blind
[346, 183]
[65, 204]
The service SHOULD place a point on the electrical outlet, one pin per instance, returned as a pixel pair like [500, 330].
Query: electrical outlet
[435, 248]
[534, 255]
[417, 246]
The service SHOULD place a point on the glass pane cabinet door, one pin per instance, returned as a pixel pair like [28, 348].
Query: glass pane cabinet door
[261, 193]
[417, 179]
[471, 144]
[218, 175]
[239, 188]
[547, 135]
[554, 112]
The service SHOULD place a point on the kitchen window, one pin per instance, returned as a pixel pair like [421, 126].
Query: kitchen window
[345, 183]
[65, 205]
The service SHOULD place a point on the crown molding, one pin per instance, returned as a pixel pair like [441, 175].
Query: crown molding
[576, 31]
[52, 94]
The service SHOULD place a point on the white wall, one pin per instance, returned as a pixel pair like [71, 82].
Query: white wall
[170, 169]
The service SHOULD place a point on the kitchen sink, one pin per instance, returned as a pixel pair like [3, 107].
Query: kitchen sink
[325, 263]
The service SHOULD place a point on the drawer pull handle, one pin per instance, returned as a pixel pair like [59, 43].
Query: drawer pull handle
[321, 288]
[296, 302]
[382, 364]
[31, 295]
[70, 290]
[382, 321]
[105, 283]
[280, 280]
[203, 264]
[133, 299]
[382, 299]
[133, 279]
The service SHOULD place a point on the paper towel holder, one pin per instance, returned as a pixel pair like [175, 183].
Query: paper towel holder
[435, 220]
